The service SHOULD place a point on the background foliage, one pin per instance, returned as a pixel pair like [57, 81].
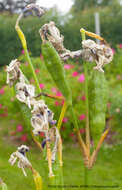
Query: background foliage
[69, 24]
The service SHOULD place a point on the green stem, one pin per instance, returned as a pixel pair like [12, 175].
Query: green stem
[87, 113]
[87, 108]
[32, 69]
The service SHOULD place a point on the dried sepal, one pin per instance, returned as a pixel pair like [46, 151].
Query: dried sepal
[100, 53]
[20, 155]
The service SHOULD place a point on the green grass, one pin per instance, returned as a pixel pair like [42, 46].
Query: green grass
[107, 170]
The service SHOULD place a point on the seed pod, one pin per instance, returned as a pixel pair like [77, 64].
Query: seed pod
[56, 70]
[98, 96]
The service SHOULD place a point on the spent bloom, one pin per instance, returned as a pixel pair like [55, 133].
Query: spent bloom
[20, 155]
[42, 116]
[101, 54]
[14, 73]
[25, 93]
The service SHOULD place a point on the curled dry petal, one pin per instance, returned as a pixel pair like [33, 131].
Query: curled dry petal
[20, 155]
[100, 53]
[14, 73]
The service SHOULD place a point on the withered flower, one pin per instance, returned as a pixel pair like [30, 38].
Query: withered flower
[25, 93]
[42, 116]
[20, 155]
[100, 53]
[14, 73]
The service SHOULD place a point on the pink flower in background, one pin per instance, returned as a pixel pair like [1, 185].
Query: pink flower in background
[58, 93]
[19, 128]
[65, 120]
[82, 117]
[41, 56]
[41, 86]
[83, 98]
[62, 102]
[3, 114]
[0, 106]
[37, 70]
[57, 103]
[71, 134]
[54, 89]
[12, 99]
[81, 78]
[67, 66]
[1, 91]
[75, 74]
[113, 51]
[120, 45]
[23, 138]
[22, 52]
[119, 77]
[82, 131]
[108, 105]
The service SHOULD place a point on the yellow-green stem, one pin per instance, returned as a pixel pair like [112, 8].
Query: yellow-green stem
[24, 45]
